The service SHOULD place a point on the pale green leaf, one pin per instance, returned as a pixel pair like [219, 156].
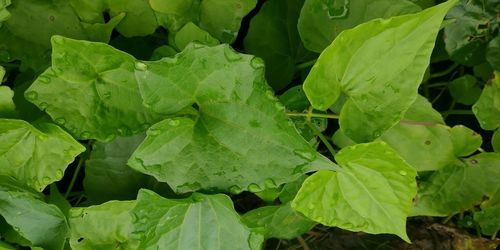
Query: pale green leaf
[107, 176]
[91, 91]
[36, 156]
[40, 223]
[487, 108]
[372, 192]
[192, 33]
[422, 139]
[199, 222]
[106, 226]
[273, 36]
[378, 65]
[2, 74]
[280, 222]
[240, 138]
[465, 140]
[323, 20]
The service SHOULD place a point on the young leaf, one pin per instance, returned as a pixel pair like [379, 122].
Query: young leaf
[487, 108]
[323, 20]
[36, 156]
[240, 139]
[192, 33]
[273, 36]
[91, 91]
[423, 140]
[107, 176]
[465, 140]
[42, 224]
[372, 192]
[106, 226]
[379, 66]
[201, 221]
[280, 222]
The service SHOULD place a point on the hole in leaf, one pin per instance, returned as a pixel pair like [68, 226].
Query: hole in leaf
[106, 16]
[79, 240]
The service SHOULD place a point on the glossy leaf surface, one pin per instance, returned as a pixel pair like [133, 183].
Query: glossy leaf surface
[372, 192]
[378, 93]
[36, 156]
[201, 221]
[239, 120]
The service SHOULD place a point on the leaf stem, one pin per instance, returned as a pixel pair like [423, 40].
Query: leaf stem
[321, 137]
[305, 64]
[316, 115]
[81, 161]
[444, 72]
[458, 112]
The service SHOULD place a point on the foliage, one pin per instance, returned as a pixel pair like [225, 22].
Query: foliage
[160, 121]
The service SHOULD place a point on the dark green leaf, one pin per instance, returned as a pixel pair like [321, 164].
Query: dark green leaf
[91, 91]
[372, 192]
[238, 139]
[107, 176]
[106, 226]
[488, 217]
[280, 222]
[465, 89]
[493, 53]
[323, 20]
[274, 37]
[40, 223]
[201, 221]
[379, 66]
[35, 156]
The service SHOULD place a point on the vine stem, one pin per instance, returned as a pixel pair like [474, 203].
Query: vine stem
[321, 137]
[444, 72]
[305, 65]
[81, 161]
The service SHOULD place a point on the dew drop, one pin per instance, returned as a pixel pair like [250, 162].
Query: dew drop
[403, 173]
[174, 123]
[60, 121]
[197, 197]
[16, 229]
[307, 155]
[279, 106]
[254, 188]
[57, 40]
[235, 189]
[231, 55]
[141, 66]
[106, 95]
[43, 105]
[144, 220]
[270, 95]
[44, 79]
[110, 137]
[85, 135]
[339, 12]
[59, 174]
[269, 183]
[31, 95]
[257, 63]
[153, 132]
[46, 180]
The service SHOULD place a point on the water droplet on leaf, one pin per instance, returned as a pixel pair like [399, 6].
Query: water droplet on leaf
[235, 189]
[31, 95]
[174, 123]
[44, 79]
[59, 174]
[254, 188]
[257, 63]
[60, 121]
[43, 105]
[403, 173]
[141, 66]
[85, 135]
[269, 183]
[231, 55]
[304, 154]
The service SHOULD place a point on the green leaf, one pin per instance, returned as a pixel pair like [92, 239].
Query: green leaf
[56, 198]
[465, 140]
[322, 20]
[422, 140]
[91, 91]
[274, 37]
[280, 222]
[467, 37]
[341, 140]
[424, 3]
[493, 53]
[4, 13]
[7, 106]
[107, 176]
[488, 217]
[378, 65]
[495, 141]
[459, 186]
[201, 221]
[487, 108]
[36, 156]
[372, 192]
[465, 89]
[106, 226]
[192, 33]
[163, 51]
[40, 223]
[240, 138]
[2, 74]
[222, 18]
[139, 19]
[174, 14]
